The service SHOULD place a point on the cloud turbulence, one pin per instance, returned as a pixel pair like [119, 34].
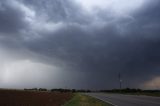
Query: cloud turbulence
[79, 44]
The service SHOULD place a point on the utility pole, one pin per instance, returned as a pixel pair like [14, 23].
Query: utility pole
[120, 81]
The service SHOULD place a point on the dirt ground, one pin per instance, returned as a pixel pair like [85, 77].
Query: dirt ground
[32, 98]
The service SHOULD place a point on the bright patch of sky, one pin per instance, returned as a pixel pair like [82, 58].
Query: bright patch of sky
[117, 6]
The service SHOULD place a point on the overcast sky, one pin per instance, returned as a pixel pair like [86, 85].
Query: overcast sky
[79, 43]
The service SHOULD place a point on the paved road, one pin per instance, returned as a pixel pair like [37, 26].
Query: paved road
[127, 100]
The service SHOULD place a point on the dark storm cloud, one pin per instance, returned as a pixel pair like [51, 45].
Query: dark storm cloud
[127, 44]
[11, 18]
[107, 51]
[147, 21]
[58, 10]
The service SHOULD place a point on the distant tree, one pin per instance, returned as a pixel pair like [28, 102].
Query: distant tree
[42, 89]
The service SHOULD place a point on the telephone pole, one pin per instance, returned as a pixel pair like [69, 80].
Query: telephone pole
[120, 81]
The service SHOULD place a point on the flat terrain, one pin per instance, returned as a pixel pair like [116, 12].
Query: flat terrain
[84, 100]
[33, 98]
[127, 100]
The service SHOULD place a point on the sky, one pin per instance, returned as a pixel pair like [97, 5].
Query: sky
[81, 44]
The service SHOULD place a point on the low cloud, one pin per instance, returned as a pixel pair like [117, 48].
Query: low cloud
[85, 48]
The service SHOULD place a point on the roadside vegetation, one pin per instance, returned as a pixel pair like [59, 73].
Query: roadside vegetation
[129, 91]
[84, 100]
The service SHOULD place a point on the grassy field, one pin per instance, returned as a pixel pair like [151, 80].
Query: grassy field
[33, 98]
[84, 100]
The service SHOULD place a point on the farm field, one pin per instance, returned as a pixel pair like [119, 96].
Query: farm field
[33, 98]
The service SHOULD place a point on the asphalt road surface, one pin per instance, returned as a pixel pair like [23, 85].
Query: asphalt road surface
[127, 100]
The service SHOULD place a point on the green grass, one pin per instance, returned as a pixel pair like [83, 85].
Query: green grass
[84, 100]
